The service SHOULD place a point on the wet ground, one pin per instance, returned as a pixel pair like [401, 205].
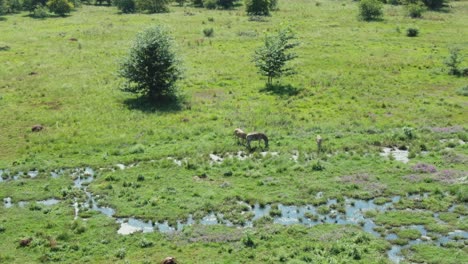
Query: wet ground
[352, 213]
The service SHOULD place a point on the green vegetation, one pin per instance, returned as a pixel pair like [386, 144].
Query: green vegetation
[361, 86]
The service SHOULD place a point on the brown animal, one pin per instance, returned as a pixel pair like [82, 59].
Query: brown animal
[169, 260]
[37, 128]
[256, 136]
[240, 135]
[25, 242]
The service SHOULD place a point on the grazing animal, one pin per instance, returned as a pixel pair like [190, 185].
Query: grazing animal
[169, 260]
[241, 135]
[37, 128]
[257, 136]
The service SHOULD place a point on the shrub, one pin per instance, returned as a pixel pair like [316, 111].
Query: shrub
[370, 10]
[151, 67]
[40, 12]
[126, 6]
[257, 7]
[153, 6]
[60, 7]
[415, 10]
[463, 90]
[248, 241]
[121, 253]
[208, 32]
[412, 32]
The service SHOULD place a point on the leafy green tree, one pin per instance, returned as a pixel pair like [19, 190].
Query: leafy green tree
[271, 58]
[226, 4]
[370, 10]
[273, 5]
[181, 2]
[257, 7]
[30, 5]
[126, 6]
[152, 67]
[197, 3]
[60, 7]
[434, 4]
[3, 7]
[153, 6]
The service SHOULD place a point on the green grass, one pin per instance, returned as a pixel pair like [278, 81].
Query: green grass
[358, 85]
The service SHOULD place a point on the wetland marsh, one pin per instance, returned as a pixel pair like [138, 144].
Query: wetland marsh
[111, 179]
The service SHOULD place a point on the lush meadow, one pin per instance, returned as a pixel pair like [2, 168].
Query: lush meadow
[362, 86]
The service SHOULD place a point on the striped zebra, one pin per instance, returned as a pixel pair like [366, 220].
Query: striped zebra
[257, 136]
[240, 135]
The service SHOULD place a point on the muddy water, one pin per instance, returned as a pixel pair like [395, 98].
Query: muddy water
[398, 155]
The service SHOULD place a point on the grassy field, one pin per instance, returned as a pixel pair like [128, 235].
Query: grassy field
[362, 86]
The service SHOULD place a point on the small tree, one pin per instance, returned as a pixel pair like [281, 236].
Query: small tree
[257, 7]
[271, 59]
[454, 61]
[59, 7]
[370, 10]
[153, 6]
[151, 67]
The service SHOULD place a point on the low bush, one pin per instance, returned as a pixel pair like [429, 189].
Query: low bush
[463, 91]
[412, 32]
[208, 32]
[415, 10]
[40, 12]
[60, 7]
[370, 10]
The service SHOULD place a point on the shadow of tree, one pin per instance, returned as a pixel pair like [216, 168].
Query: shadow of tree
[150, 105]
[2, 18]
[281, 89]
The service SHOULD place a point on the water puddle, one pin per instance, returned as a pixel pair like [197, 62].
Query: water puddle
[33, 173]
[397, 154]
[7, 202]
[215, 159]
